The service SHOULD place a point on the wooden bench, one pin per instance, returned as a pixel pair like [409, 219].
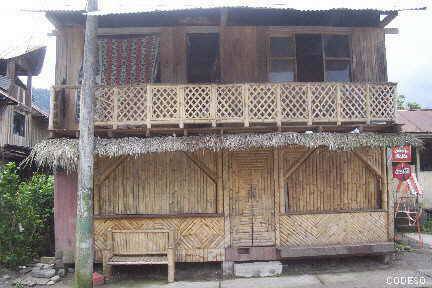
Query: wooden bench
[139, 247]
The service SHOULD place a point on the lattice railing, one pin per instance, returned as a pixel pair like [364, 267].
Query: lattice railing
[279, 103]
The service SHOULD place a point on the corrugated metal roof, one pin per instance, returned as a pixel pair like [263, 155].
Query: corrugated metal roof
[415, 121]
[12, 51]
[110, 7]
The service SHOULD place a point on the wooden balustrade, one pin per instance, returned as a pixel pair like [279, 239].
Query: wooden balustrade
[278, 103]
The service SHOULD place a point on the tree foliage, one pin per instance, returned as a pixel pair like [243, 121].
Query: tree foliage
[26, 216]
[404, 104]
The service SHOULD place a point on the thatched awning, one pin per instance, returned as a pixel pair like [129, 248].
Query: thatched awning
[63, 152]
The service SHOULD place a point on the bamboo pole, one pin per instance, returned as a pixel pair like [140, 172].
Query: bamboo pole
[84, 222]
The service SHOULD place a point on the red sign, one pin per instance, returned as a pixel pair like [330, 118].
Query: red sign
[401, 154]
[402, 171]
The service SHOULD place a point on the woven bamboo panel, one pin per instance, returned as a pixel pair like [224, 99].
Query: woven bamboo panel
[104, 109]
[244, 103]
[382, 101]
[328, 229]
[130, 107]
[329, 180]
[198, 239]
[353, 101]
[294, 102]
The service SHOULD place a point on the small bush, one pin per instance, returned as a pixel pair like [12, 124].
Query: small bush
[427, 226]
[26, 216]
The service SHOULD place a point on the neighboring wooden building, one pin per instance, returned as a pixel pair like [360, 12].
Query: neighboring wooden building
[419, 123]
[22, 124]
[206, 76]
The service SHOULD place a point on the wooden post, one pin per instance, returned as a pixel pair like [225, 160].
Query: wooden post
[84, 221]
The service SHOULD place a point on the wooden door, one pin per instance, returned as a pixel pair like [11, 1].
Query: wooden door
[252, 200]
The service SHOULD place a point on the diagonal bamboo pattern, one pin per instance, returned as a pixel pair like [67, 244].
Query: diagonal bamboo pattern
[278, 103]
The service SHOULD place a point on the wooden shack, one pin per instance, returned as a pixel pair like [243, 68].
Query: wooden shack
[22, 123]
[230, 127]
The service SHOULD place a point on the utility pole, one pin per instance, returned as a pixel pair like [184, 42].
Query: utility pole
[84, 221]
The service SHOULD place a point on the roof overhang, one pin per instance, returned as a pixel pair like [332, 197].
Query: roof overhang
[29, 61]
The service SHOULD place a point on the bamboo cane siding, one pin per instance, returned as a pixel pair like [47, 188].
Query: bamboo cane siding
[168, 183]
[198, 239]
[328, 229]
[331, 181]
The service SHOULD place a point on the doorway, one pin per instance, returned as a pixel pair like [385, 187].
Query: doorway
[203, 58]
[252, 201]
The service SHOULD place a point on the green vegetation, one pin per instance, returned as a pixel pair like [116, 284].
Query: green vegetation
[427, 226]
[404, 104]
[26, 216]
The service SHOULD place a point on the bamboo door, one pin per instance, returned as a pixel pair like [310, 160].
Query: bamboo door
[252, 200]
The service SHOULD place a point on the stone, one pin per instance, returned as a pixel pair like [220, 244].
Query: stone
[40, 272]
[228, 269]
[50, 283]
[55, 278]
[61, 272]
[6, 277]
[70, 270]
[258, 269]
[47, 260]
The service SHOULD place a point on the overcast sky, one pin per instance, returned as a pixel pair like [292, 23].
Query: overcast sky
[409, 54]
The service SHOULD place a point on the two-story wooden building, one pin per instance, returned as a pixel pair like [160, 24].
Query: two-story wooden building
[230, 126]
[22, 124]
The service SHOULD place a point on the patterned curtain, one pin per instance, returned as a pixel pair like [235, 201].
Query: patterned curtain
[131, 60]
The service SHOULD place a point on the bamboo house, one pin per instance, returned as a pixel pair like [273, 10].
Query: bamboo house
[234, 133]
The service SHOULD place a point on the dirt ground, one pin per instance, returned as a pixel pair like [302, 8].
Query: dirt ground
[313, 272]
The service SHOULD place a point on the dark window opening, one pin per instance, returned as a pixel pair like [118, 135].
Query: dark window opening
[203, 58]
[309, 58]
[337, 58]
[282, 59]
[426, 157]
[19, 124]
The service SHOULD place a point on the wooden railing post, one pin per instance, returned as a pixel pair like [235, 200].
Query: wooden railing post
[245, 93]
[149, 105]
[368, 108]
[116, 95]
[278, 106]
[309, 101]
[181, 103]
[213, 104]
[338, 104]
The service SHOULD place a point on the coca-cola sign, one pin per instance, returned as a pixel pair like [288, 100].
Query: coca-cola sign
[401, 154]
[402, 171]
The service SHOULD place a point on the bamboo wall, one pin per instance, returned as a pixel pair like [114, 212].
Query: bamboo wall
[214, 200]
[162, 184]
[35, 129]
[7, 137]
[331, 181]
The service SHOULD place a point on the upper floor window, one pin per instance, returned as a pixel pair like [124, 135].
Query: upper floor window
[337, 58]
[282, 59]
[18, 124]
[309, 58]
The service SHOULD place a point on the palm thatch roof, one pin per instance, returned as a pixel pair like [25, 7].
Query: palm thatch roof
[63, 153]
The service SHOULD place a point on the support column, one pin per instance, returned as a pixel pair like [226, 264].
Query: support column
[84, 222]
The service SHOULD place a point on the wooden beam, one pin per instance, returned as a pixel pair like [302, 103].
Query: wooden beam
[210, 173]
[84, 251]
[110, 169]
[299, 163]
[391, 30]
[387, 19]
[369, 164]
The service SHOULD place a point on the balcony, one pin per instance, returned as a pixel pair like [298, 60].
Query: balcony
[244, 105]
